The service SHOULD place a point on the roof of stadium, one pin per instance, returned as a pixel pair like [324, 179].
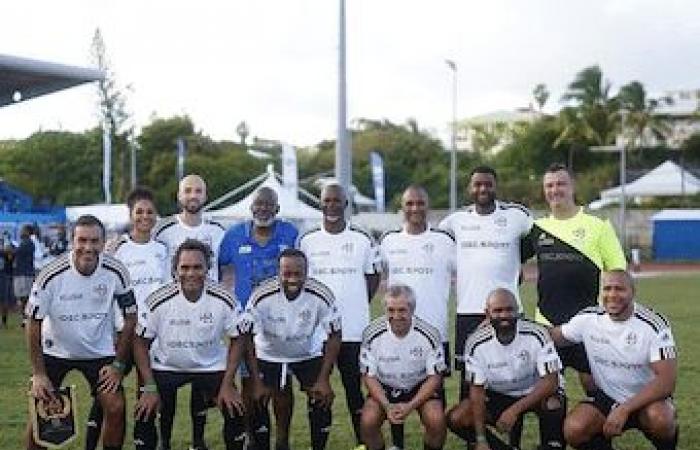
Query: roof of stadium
[23, 78]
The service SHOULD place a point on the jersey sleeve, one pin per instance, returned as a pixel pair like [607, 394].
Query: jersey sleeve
[573, 330]
[39, 301]
[226, 248]
[662, 346]
[610, 249]
[330, 318]
[435, 362]
[372, 258]
[474, 370]
[446, 224]
[526, 224]
[250, 320]
[548, 359]
[368, 361]
[147, 324]
[234, 322]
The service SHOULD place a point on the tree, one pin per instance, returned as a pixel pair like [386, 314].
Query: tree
[242, 130]
[573, 132]
[639, 117]
[541, 94]
[597, 110]
[113, 111]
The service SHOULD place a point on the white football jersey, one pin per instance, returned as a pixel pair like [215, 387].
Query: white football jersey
[401, 362]
[172, 232]
[148, 265]
[189, 336]
[425, 263]
[291, 330]
[620, 353]
[511, 369]
[488, 252]
[340, 261]
[77, 311]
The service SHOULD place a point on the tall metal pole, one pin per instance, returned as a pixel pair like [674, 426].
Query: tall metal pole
[343, 157]
[453, 138]
[623, 181]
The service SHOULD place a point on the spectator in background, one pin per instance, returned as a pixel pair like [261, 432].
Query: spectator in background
[40, 250]
[6, 297]
[59, 245]
[23, 267]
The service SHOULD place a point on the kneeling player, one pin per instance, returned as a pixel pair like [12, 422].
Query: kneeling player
[513, 368]
[402, 361]
[633, 362]
[187, 321]
[291, 315]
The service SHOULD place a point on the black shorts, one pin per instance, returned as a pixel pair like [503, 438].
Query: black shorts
[57, 368]
[306, 372]
[349, 357]
[574, 356]
[603, 403]
[206, 384]
[448, 359]
[6, 294]
[465, 324]
[395, 395]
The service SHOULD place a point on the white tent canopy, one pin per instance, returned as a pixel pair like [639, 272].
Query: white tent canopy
[113, 216]
[291, 208]
[668, 179]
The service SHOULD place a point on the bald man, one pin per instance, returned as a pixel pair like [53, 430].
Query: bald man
[248, 256]
[512, 368]
[173, 231]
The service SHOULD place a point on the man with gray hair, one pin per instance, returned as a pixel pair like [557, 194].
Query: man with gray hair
[402, 362]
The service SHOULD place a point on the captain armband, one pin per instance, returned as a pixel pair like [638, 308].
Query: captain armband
[127, 301]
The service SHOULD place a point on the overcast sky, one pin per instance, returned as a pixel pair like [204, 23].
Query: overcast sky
[273, 63]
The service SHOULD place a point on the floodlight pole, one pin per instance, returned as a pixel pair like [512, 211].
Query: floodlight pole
[343, 156]
[453, 138]
[623, 181]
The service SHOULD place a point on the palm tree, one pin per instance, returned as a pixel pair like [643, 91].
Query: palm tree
[541, 94]
[573, 131]
[590, 94]
[639, 114]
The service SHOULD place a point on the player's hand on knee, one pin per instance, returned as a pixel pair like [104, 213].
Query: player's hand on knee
[147, 406]
[110, 378]
[42, 387]
[615, 422]
[322, 392]
[230, 399]
[507, 419]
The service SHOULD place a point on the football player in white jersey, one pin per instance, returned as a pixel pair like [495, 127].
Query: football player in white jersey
[72, 321]
[291, 317]
[632, 355]
[148, 266]
[421, 257]
[402, 364]
[513, 368]
[488, 234]
[186, 324]
[190, 224]
[346, 259]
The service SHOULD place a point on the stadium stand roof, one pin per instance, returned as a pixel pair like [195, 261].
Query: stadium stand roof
[23, 78]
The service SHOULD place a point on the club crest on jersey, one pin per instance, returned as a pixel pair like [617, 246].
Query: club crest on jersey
[631, 338]
[579, 233]
[524, 357]
[428, 248]
[206, 317]
[416, 352]
[305, 316]
[101, 289]
[348, 247]
[501, 222]
[543, 240]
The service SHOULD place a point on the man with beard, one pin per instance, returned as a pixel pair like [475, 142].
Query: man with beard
[71, 316]
[573, 248]
[172, 231]
[421, 257]
[291, 317]
[247, 257]
[402, 365]
[632, 356]
[345, 258]
[187, 322]
[488, 234]
[513, 368]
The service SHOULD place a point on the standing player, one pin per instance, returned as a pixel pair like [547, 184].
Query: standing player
[632, 356]
[422, 258]
[489, 234]
[513, 368]
[149, 268]
[345, 259]
[23, 268]
[572, 249]
[291, 316]
[71, 325]
[248, 256]
[187, 321]
[172, 231]
[402, 365]
[7, 299]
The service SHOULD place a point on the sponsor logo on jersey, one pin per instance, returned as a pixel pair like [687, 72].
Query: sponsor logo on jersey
[470, 227]
[179, 322]
[600, 339]
[543, 240]
[70, 297]
[244, 249]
